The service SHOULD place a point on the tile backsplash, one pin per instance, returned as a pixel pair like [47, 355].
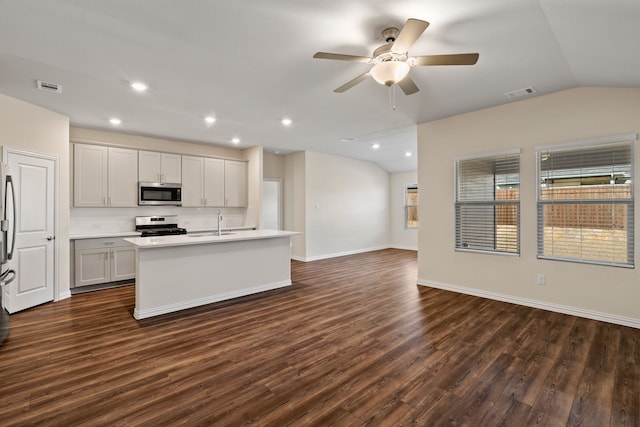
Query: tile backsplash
[111, 220]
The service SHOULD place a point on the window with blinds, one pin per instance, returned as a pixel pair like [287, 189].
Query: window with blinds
[488, 203]
[411, 206]
[585, 203]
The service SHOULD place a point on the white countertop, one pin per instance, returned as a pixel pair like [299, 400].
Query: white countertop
[186, 239]
[97, 235]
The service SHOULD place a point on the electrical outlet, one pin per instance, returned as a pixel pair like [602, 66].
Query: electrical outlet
[540, 279]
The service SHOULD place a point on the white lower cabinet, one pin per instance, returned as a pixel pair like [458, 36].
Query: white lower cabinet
[103, 260]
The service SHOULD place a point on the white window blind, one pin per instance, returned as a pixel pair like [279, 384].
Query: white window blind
[585, 204]
[488, 204]
[411, 206]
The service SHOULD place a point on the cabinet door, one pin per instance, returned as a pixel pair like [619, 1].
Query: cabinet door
[123, 263]
[171, 168]
[92, 266]
[192, 176]
[235, 183]
[123, 178]
[214, 182]
[90, 175]
[149, 166]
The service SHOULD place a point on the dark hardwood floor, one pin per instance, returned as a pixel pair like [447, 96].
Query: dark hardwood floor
[353, 342]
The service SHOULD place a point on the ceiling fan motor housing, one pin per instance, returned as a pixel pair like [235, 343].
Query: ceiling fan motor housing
[390, 34]
[383, 54]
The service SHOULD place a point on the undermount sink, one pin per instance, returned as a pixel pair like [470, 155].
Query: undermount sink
[213, 233]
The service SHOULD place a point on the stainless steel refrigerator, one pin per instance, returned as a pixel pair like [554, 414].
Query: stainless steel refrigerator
[7, 232]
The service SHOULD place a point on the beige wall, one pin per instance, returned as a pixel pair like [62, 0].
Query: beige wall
[594, 291]
[153, 144]
[254, 184]
[295, 205]
[30, 128]
[273, 166]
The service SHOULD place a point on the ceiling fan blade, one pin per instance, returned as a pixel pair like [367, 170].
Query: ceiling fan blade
[408, 86]
[454, 59]
[341, 57]
[351, 83]
[408, 35]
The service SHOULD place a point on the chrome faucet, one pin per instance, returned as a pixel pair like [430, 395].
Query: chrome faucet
[219, 222]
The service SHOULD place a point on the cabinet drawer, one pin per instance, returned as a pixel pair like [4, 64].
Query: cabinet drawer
[103, 242]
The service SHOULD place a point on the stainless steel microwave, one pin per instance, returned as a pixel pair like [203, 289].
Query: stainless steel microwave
[159, 194]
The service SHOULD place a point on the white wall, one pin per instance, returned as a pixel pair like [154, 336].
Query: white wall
[401, 237]
[600, 292]
[30, 128]
[347, 206]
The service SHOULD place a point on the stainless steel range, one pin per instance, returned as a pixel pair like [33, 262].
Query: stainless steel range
[158, 225]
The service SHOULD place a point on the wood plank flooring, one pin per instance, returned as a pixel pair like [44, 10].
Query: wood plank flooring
[353, 342]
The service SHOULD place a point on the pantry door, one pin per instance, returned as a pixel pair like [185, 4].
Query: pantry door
[33, 177]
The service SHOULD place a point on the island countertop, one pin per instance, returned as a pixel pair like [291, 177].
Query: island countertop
[182, 271]
[206, 238]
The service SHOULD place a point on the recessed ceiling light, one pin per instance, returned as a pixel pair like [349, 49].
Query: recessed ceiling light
[286, 121]
[375, 146]
[139, 86]
[276, 152]
[115, 121]
[210, 119]
[408, 154]
[236, 140]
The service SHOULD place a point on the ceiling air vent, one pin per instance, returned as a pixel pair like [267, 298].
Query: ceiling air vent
[49, 87]
[520, 93]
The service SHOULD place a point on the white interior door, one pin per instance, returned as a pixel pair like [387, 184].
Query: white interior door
[271, 205]
[33, 256]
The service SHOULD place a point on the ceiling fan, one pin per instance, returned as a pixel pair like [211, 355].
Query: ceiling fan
[391, 61]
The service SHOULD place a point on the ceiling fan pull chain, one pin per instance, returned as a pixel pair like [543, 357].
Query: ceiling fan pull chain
[392, 97]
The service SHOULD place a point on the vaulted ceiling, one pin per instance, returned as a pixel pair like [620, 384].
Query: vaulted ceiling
[249, 64]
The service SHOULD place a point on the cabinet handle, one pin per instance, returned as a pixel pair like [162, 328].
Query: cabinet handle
[104, 201]
[50, 238]
[109, 243]
[205, 202]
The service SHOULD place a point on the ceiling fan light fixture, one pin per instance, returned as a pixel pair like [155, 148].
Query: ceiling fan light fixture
[389, 73]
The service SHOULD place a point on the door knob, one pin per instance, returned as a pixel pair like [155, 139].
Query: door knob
[51, 238]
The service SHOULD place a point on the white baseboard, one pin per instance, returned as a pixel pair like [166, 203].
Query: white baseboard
[338, 254]
[404, 248]
[63, 295]
[574, 311]
[143, 314]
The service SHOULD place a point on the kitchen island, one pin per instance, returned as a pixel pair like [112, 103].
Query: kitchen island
[184, 271]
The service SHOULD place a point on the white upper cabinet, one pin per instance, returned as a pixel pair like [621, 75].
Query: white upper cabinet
[192, 181]
[122, 178]
[90, 175]
[235, 183]
[104, 176]
[214, 182]
[109, 176]
[159, 167]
